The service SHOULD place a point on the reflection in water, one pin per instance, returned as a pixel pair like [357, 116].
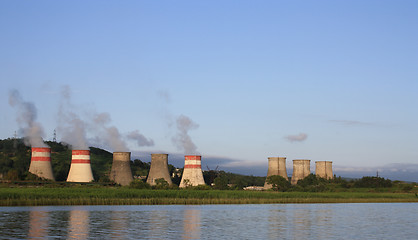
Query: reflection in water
[79, 224]
[270, 221]
[277, 223]
[301, 222]
[191, 224]
[158, 224]
[119, 224]
[38, 224]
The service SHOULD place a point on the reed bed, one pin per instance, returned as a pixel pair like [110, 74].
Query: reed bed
[41, 196]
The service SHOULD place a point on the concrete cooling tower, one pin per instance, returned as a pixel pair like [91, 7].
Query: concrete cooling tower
[301, 169]
[192, 173]
[277, 166]
[40, 163]
[121, 168]
[159, 169]
[323, 169]
[80, 169]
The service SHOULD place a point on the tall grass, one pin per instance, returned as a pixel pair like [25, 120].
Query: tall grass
[36, 196]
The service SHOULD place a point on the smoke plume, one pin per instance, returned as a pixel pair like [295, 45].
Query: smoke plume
[182, 140]
[297, 138]
[26, 119]
[108, 135]
[71, 127]
[140, 139]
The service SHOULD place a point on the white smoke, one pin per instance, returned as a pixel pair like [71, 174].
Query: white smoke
[182, 140]
[71, 127]
[108, 135]
[140, 139]
[75, 129]
[26, 119]
[297, 138]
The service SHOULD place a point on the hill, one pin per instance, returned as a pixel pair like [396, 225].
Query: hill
[15, 159]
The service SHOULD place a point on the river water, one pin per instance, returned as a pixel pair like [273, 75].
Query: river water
[253, 221]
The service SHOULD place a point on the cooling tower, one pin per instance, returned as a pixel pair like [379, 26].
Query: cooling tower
[301, 169]
[277, 166]
[121, 169]
[323, 169]
[80, 169]
[40, 163]
[192, 172]
[159, 169]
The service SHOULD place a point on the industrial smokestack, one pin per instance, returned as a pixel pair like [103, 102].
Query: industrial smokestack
[121, 169]
[40, 163]
[301, 169]
[277, 166]
[192, 173]
[159, 169]
[80, 169]
[323, 169]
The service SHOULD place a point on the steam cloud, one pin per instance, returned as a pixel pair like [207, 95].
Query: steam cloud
[140, 139]
[109, 135]
[26, 119]
[75, 129]
[182, 140]
[70, 125]
[297, 138]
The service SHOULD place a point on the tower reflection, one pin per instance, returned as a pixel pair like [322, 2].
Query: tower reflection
[38, 224]
[78, 224]
[191, 224]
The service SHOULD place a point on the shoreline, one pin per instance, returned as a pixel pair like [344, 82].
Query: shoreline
[55, 196]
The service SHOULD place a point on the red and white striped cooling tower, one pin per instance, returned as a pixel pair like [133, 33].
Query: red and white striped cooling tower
[192, 173]
[80, 170]
[40, 163]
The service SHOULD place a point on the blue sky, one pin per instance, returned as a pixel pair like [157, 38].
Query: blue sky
[338, 77]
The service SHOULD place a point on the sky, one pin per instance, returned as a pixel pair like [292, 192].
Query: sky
[234, 81]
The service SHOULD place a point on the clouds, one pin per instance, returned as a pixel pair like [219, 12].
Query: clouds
[393, 171]
[352, 123]
[296, 138]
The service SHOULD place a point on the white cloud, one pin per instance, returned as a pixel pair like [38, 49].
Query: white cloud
[297, 138]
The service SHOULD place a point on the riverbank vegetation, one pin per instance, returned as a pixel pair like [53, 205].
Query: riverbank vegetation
[102, 195]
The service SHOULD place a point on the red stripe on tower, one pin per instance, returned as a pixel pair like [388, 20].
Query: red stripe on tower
[81, 152]
[41, 149]
[192, 157]
[193, 166]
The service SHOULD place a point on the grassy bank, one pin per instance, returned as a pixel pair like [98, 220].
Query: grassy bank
[38, 196]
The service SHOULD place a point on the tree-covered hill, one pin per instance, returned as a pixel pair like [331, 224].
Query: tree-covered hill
[15, 160]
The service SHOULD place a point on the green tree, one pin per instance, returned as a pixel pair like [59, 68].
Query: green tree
[221, 183]
[278, 183]
[139, 184]
[161, 183]
[372, 182]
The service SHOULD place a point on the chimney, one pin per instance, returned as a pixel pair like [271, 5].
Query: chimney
[80, 169]
[121, 169]
[159, 169]
[192, 173]
[301, 169]
[40, 163]
[277, 166]
[323, 169]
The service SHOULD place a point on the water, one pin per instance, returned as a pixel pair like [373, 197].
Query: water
[257, 221]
